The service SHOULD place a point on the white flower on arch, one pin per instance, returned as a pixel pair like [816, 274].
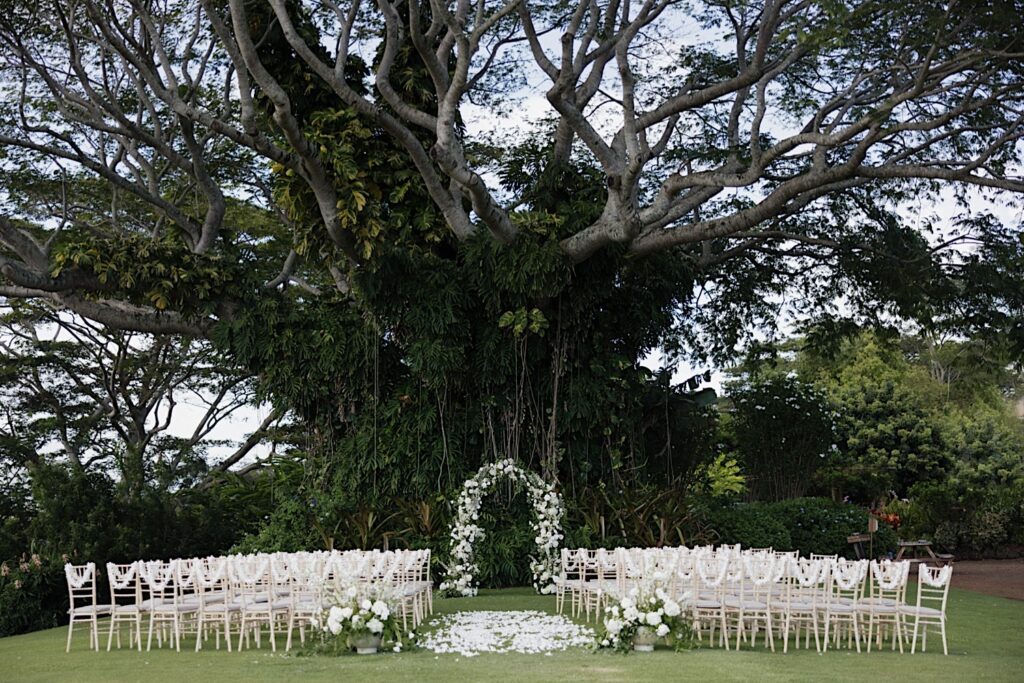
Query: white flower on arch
[547, 524]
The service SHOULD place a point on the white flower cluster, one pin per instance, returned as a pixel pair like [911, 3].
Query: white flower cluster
[547, 507]
[529, 632]
[655, 610]
[354, 613]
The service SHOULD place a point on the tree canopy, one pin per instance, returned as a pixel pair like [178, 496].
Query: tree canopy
[308, 185]
[746, 138]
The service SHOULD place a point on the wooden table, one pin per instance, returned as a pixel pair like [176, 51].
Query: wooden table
[916, 547]
[858, 541]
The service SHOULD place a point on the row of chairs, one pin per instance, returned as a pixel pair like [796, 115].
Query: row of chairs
[239, 595]
[740, 593]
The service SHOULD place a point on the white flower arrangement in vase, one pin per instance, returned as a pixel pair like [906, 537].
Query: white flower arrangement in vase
[360, 618]
[547, 524]
[642, 618]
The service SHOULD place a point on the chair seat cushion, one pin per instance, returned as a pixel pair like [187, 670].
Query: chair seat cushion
[91, 609]
[170, 608]
[914, 610]
[746, 604]
[880, 609]
[842, 607]
[879, 601]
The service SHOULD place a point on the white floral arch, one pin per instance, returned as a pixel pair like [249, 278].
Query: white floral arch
[547, 508]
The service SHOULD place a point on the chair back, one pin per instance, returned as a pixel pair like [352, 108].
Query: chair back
[125, 584]
[158, 580]
[81, 580]
[847, 579]
[933, 586]
[889, 581]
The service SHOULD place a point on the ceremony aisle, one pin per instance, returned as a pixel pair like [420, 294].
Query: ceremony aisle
[986, 643]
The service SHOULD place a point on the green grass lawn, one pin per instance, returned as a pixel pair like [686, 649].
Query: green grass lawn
[986, 638]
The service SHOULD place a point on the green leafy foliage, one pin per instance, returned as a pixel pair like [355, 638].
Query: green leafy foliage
[784, 430]
[810, 525]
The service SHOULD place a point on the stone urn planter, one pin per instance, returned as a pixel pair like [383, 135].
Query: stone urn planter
[366, 645]
[644, 639]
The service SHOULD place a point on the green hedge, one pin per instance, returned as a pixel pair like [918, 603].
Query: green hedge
[751, 525]
[810, 525]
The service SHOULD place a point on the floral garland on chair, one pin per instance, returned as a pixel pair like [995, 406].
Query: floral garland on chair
[547, 508]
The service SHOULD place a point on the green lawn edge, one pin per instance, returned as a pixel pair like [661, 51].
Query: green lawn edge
[986, 642]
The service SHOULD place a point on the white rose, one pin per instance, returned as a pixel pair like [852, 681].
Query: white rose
[630, 614]
[662, 631]
[613, 625]
[653, 618]
[334, 625]
[375, 625]
[671, 608]
[379, 607]
[366, 604]
[345, 612]
[335, 613]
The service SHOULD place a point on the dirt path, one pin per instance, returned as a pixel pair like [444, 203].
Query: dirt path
[1004, 578]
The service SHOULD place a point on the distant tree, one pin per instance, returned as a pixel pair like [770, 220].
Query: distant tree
[78, 395]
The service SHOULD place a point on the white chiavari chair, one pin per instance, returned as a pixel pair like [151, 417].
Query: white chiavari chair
[216, 606]
[749, 603]
[846, 587]
[801, 601]
[168, 607]
[306, 597]
[83, 606]
[251, 579]
[709, 598]
[126, 603]
[593, 581]
[930, 606]
[881, 609]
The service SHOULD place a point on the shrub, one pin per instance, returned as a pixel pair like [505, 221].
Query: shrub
[809, 525]
[33, 594]
[820, 525]
[783, 429]
[752, 525]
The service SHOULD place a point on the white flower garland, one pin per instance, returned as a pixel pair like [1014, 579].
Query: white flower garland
[890, 575]
[934, 577]
[211, 572]
[280, 568]
[805, 572]
[706, 565]
[759, 570]
[78, 577]
[248, 569]
[122, 580]
[159, 574]
[547, 507]
[849, 573]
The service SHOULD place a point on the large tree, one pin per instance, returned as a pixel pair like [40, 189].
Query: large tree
[173, 166]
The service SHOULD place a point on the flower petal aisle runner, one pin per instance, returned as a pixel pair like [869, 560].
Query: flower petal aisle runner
[529, 632]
